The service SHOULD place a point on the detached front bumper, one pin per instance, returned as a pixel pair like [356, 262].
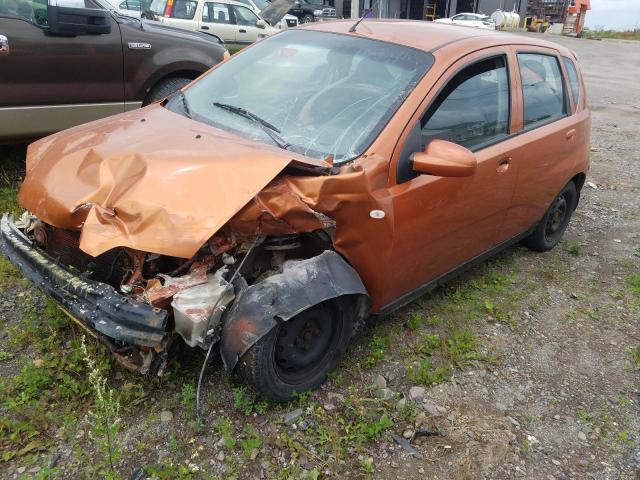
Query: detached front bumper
[95, 304]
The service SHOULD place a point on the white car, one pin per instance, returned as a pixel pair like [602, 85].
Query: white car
[476, 20]
[233, 22]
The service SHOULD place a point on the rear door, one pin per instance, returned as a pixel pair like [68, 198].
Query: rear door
[553, 136]
[217, 19]
[181, 14]
[50, 82]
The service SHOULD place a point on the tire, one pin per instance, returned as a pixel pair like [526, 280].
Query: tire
[552, 226]
[297, 355]
[308, 18]
[164, 88]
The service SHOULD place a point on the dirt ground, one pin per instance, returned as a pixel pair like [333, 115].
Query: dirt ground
[525, 367]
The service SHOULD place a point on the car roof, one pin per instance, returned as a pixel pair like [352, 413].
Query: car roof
[428, 36]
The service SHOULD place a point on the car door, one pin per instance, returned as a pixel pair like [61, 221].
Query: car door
[441, 223]
[553, 136]
[217, 19]
[246, 23]
[51, 82]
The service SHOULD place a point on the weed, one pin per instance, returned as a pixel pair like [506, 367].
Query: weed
[252, 442]
[461, 348]
[415, 321]
[366, 466]
[188, 395]
[370, 430]
[636, 252]
[247, 402]
[574, 248]
[376, 350]
[8, 202]
[105, 418]
[426, 374]
[224, 428]
[633, 281]
[634, 356]
[5, 355]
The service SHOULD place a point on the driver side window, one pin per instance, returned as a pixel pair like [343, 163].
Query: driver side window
[473, 108]
[33, 11]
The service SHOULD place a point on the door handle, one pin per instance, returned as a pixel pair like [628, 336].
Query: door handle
[204, 27]
[4, 45]
[242, 30]
[503, 165]
[571, 134]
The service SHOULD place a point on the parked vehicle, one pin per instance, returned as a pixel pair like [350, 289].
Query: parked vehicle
[308, 12]
[288, 21]
[537, 24]
[272, 225]
[234, 22]
[57, 72]
[476, 20]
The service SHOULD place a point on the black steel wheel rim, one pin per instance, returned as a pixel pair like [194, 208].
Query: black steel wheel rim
[304, 343]
[557, 216]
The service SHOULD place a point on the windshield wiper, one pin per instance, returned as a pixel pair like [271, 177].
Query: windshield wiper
[265, 126]
[185, 104]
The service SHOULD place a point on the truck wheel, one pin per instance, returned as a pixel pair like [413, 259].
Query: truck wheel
[164, 88]
[307, 19]
[298, 354]
[552, 226]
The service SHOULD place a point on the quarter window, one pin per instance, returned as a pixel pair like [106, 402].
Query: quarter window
[215, 13]
[542, 89]
[573, 79]
[244, 16]
[473, 109]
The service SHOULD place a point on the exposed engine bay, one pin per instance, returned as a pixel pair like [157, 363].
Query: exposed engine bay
[195, 292]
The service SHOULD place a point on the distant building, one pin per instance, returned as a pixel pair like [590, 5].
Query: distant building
[420, 9]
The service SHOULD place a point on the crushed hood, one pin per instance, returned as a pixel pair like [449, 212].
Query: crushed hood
[151, 180]
[276, 10]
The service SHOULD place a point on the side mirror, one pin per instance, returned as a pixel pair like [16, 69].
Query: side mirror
[77, 21]
[445, 159]
[261, 24]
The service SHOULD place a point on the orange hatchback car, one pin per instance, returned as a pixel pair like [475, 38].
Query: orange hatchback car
[320, 176]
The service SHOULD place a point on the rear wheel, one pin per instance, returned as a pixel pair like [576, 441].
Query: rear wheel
[164, 88]
[297, 355]
[552, 226]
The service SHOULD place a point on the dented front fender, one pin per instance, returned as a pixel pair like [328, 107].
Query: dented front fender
[302, 284]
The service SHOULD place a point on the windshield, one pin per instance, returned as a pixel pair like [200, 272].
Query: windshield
[328, 95]
[261, 4]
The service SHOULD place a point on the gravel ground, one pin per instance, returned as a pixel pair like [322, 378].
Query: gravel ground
[552, 394]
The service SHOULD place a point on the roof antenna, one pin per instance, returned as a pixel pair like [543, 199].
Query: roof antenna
[355, 25]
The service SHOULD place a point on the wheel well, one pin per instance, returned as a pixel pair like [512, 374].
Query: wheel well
[190, 74]
[579, 180]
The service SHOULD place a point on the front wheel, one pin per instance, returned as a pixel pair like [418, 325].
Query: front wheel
[164, 88]
[552, 226]
[307, 19]
[297, 355]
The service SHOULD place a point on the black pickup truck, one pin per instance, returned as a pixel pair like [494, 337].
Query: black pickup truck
[312, 12]
[65, 65]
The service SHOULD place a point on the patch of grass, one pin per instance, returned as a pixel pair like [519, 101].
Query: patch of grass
[600, 34]
[633, 282]
[415, 321]
[636, 252]
[224, 428]
[426, 374]
[574, 248]
[9, 202]
[634, 356]
[247, 402]
[376, 350]
[251, 443]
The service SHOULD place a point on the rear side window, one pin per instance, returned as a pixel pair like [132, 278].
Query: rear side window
[473, 108]
[184, 9]
[215, 13]
[573, 79]
[542, 89]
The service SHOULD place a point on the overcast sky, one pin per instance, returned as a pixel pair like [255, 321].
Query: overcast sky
[614, 14]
